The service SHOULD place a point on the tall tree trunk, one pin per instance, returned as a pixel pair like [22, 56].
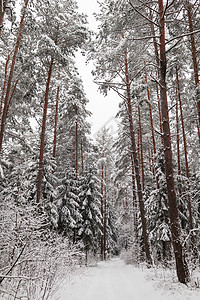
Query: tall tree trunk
[56, 119]
[158, 70]
[4, 84]
[135, 206]
[105, 215]
[178, 142]
[138, 181]
[194, 58]
[82, 159]
[141, 146]
[152, 127]
[185, 150]
[76, 128]
[3, 120]
[181, 266]
[102, 216]
[39, 183]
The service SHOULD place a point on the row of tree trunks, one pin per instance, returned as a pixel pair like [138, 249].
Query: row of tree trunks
[56, 118]
[194, 58]
[7, 96]
[140, 148]
[136, 165]
[185, 150]
[42, 138]
[152, 127]
[181, 266]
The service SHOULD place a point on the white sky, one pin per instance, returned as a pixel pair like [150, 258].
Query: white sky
[103, 109]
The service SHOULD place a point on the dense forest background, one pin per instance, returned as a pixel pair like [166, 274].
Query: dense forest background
[67, 199]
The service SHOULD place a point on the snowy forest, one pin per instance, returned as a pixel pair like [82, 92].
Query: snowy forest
[67, 199]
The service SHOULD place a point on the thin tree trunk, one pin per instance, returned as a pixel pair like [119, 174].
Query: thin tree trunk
[158, 70]
[178, 142]
[152, 127]
[105, 215]
[141, 146]
[136, 165]
[135, 206]
[4, 84]
[3, 120]
[138, 150]
[194, 58]
[11, 96]
[181, 266]
[82, 159]
[76, 151]
[39, 183]
[185, 150]
[102, 218]
[56, 119]
[160, 115]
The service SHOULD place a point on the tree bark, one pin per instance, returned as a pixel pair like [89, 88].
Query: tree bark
[141, 146]
[39, 183]
[56, 120]
[102, 218]
[185, 150]
[3, 120]
[136, 165]
[178, 142]
[181, 266]
[152, 127]
[4, 84]
[194, 58]
[105, 215]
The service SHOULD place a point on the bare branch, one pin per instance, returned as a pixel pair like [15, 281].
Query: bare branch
[149, 20]
[180, 36]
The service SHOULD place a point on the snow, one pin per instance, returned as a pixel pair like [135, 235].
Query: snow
[114, 280]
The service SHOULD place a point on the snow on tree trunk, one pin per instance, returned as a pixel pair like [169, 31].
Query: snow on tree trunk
[6, 100]
[39, 183]
[181, 266]
[136, 165]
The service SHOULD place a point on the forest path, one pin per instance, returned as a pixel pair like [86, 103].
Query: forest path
[112, 280]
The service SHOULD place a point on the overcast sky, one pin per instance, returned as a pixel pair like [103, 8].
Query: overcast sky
[103, 109]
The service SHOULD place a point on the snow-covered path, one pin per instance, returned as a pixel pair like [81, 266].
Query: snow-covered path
[113, 280]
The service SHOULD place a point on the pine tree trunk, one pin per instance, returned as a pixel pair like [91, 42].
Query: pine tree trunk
[136, 165]
[181, 266]
[152, 127]
[105, 215]
[135, 206]
[82, 159]
[194, 58]
[39, 183]
[158, 70]
[3, 120]
[56, 120]
[178, 142]
[185, 151]
[76, 151]
[141, 146]
[102, 217]
[4, 84]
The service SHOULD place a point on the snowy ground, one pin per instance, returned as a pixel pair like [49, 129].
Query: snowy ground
[113, 280]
